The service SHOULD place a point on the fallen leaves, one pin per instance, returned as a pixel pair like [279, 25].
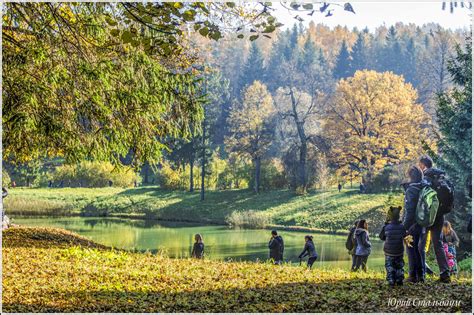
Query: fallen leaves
[76, 275]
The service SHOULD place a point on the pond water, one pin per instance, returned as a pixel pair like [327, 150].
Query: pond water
[175, 239]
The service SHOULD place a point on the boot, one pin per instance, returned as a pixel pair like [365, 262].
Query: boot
[445, 277]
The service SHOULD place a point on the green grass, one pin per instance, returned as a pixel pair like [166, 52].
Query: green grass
[51, 270]
[328, 211]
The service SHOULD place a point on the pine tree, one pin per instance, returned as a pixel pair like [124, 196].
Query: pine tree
[409, 68]
[391, 53]
[253, 69]
[343, 64]
[454, 116]
[360, 55]
[308, 56]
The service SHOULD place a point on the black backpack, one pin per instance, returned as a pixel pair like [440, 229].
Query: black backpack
[445, 191]
[350, 242]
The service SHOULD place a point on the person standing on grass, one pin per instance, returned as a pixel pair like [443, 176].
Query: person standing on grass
[431, 175]
[276, 246]
[198, 247]
[350, 243]
[393, 233]
[309, 250]
[339, 187]
[416, 250]
[363, 246]
[450, 242]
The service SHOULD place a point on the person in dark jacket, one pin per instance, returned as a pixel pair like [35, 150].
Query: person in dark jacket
[363, 246]
[350, 243]
[429, 172]
[276, 246]
[416, 250]
[198, 247]
[393, 233]
[309, 250]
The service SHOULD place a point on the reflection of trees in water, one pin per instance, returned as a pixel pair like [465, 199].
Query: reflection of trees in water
[176, 239]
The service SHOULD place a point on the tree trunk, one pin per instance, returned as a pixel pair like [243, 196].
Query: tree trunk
[203, 163]
[145, 179]
[191, 174]
[302, 165]
[303, 144]
[257, 175]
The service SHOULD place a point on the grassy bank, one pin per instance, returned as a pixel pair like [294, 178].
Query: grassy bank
[328, 211]
[47, 270]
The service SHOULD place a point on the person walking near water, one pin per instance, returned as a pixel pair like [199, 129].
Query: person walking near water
[309, 250]
[276, 246]
[198, 247]
[363, 246]
[350, 243]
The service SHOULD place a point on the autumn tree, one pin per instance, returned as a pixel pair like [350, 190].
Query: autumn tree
[373, 120]
[251, 130]
[101, 80]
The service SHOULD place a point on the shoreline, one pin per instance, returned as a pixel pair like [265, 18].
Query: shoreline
[137, 216]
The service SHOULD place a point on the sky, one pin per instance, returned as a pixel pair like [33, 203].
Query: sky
[373, 14]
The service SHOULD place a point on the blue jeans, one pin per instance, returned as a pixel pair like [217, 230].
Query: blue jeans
[416, 254]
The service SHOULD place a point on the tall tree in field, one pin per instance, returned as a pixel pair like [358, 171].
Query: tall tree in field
[251, 130]
[343, 63]
[454, 117]
[373, 120]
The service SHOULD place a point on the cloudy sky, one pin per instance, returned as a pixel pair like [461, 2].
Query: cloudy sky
[373, 14]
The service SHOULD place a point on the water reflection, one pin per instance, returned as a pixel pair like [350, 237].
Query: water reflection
[175, 239]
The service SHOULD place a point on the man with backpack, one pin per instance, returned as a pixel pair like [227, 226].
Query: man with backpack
[436, 179]
[276, 247]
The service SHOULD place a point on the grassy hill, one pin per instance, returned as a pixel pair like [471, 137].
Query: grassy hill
[321, 210]
[51, 270]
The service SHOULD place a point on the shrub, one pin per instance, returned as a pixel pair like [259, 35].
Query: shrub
[273, 175]
[247, 219]
[6, 181]
[93, 174]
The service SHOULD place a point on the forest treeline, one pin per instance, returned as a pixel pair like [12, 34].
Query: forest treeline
[307, 107]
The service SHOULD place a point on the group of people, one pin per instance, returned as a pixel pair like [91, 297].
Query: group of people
[399, 234]
[407, 233]
[277, 246]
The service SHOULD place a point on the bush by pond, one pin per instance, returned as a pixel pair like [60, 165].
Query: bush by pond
[247, 219]
[93, 174]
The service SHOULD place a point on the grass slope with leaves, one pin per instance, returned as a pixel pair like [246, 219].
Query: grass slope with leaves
[328, 211]
[51, 270]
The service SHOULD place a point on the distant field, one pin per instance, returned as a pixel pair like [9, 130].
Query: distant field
[328, 211]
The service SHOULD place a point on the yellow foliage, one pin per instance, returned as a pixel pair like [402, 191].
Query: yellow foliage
[249, 122]
[374, 120]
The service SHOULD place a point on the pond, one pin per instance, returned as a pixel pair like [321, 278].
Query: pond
[175, 239]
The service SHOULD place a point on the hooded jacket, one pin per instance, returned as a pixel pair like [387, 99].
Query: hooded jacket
[363, 245]
[412, 193]
[308, 250]
[276, 246]
[393, 233]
